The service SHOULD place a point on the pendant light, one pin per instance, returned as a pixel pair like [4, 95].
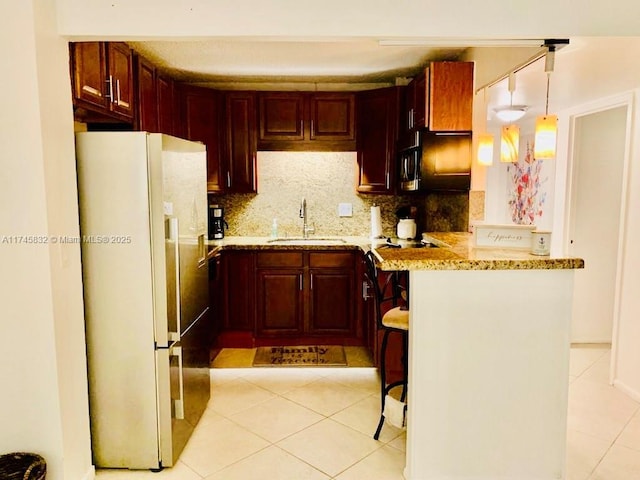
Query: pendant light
[544, 146]
[509, 144]
[485, 140]
[511, 113]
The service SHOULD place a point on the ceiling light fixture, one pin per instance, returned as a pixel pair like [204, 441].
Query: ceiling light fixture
[511, 113]
[544, 146]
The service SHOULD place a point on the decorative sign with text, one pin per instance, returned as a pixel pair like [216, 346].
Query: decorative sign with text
[502, 236]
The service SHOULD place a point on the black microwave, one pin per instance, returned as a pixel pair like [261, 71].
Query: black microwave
[435, 161]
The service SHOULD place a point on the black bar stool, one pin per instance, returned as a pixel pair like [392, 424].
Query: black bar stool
[395, 320]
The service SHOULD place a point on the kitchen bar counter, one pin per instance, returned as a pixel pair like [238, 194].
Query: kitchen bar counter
[455, 251]
[488, 360]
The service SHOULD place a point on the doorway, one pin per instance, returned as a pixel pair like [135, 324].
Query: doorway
[599, 164]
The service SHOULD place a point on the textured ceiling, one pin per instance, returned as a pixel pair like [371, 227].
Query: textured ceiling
[346, 64]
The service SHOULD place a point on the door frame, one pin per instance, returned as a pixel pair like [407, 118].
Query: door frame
[566, 181]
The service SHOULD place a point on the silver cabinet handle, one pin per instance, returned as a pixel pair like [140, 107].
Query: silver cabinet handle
[110, 94]
[387, 180]
[365, 290]
[118, 91]
[228, 179]
[179, 402]
[302, 127]
[300, 281]
[311, 283]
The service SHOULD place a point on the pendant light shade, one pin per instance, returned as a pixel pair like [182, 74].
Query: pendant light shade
[544, 144]
[509, 144]
[485, 149]
[544, 147]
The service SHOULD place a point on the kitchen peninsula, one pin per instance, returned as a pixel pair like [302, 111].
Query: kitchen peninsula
[488, 360]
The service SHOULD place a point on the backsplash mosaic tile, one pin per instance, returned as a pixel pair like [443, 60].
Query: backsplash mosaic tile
[325, 179]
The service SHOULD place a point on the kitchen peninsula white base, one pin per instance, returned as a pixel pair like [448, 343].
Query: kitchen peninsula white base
[488, 374]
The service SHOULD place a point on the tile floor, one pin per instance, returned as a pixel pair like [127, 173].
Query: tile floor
[316, 423]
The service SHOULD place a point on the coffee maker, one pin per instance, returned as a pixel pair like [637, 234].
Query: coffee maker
[217, 222]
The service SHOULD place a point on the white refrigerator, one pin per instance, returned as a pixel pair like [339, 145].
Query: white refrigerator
[143, 212]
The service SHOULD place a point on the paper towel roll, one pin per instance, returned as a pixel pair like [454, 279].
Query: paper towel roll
[376, 222]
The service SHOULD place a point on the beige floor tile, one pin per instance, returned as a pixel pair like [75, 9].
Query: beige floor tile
[630, 436]
[363, 416]
[281, 380]
[598, 410]
[584, 452]
[620, 463]
[599, 371]
[583, 356]
[326, 396]
[358, 357]
[366, 379]
[276, 419]
[400, 442]
[272, 463]
[386, 463]
[218, 444]
[236, 396]
[178, 472]
[234, 358]
[329, 446]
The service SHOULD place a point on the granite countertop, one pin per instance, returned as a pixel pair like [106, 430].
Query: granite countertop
[456, 252]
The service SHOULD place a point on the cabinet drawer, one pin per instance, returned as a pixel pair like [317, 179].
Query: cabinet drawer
[280, 259]
[332, 259]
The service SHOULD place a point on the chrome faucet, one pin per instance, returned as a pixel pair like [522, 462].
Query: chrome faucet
[306, 229]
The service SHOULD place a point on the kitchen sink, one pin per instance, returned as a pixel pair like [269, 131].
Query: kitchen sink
[306, 241]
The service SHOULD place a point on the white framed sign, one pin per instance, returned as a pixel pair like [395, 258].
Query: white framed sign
[502, 236]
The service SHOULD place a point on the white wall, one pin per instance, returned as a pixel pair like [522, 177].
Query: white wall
[43, 407]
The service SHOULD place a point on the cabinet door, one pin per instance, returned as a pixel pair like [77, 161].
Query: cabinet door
[120, 74]
[332, 116]
[280, 300]
[420, 103]
[89, 73]
[281, 116]
[201, 123]
[166, 105]
[239, 298]
[332, 293]
[450, 96]
[147, 96]
[332, 301]
[240, 147]
[377, 127]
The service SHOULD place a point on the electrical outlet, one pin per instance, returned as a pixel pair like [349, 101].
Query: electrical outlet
[345, 210]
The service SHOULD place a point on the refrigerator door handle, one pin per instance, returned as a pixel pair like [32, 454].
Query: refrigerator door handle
[174, 236]
[178, 404]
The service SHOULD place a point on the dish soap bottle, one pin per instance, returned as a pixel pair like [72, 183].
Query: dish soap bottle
[274, 228]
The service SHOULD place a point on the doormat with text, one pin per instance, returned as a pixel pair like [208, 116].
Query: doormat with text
[300, 356]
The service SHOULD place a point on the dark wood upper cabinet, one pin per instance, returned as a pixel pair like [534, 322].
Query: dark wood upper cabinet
[303, 121]
[103, 79]
[281, 116]
[166, 102]
[120, 71]
[440, 98]
[89, 68]
[450, 96]
[332, 117]
[377, 131]
[240, 143]
[201, 122]
[146, 93]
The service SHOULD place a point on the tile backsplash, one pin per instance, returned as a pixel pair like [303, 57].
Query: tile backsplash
[326, 179]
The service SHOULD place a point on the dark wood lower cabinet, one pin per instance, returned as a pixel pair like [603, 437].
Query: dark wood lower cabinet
[275, 297]
[280, 302]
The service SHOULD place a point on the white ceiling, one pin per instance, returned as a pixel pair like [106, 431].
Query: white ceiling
[346, 64]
